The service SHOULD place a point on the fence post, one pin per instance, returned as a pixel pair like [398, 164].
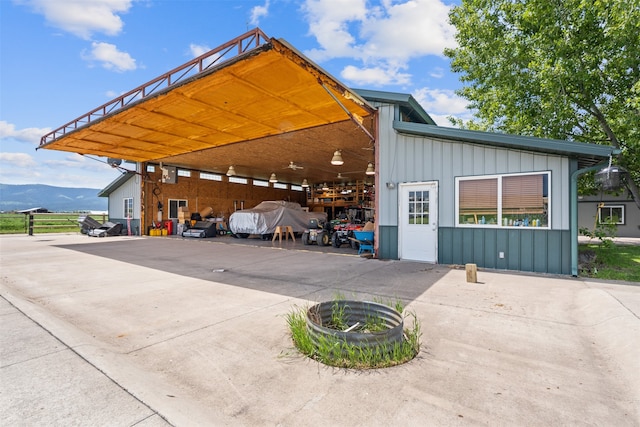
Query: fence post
[30, 224]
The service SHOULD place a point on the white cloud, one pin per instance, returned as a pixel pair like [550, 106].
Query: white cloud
[388, 34]
[443, 103]
[198, 49]
[258, 12]
[77, 161]
[82, 17]
[30, 135]
[18, 160]
[374, 76]
[437, 73]
[329, 22]
[110, 57]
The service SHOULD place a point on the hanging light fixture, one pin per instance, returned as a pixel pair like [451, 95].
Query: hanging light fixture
[273, 178]
[305, 183]
[325, 187]
[231, 171]
[370, 170]
[337, 158]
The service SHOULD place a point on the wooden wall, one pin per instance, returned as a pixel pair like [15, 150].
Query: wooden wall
[201, 194]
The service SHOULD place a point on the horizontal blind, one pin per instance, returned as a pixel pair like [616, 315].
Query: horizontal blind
[520, 192]
[479, 194]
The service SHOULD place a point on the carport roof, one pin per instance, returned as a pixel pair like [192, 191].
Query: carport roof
[262, 91]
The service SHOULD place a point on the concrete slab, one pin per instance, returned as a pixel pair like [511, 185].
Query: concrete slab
[196, 331]
[43, 382]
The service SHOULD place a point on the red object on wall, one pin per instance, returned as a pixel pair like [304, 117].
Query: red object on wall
[169, 226]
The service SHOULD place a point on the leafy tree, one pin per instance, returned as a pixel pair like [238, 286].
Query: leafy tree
[564, 69]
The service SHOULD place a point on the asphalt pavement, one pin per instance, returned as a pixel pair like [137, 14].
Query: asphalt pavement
[152, 331]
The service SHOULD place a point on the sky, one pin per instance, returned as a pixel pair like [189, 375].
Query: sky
[60, 59]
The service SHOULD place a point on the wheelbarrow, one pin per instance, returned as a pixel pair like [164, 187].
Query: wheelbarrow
[364, 240]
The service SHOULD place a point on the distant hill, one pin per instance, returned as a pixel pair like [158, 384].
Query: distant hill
[55, 199]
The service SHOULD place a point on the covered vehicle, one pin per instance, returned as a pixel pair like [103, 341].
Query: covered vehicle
[106, 229]
[264, 218]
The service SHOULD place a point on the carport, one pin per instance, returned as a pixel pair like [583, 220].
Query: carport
[254, 103]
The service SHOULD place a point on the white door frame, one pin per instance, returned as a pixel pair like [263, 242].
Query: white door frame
[427, 236]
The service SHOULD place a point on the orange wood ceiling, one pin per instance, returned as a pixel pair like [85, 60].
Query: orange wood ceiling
[259, 112]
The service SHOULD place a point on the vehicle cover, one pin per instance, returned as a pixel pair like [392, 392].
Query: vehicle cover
[264, 218]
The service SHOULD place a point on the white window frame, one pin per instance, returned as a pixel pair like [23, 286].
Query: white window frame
[260, 183]
[621, 221]
[280, 185]
[127, 205]
[184, 172]
[499, 223]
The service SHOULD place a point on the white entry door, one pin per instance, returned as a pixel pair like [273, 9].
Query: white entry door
[418, 221]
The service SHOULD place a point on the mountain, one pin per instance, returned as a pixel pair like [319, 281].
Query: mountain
[55, 199]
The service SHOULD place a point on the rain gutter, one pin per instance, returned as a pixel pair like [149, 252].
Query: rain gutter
[573, 196]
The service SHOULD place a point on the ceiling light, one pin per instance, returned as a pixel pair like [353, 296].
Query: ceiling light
[231, 171]
[304, 184]
[325, 187]
[337, 158]
[370, 170]
[273, 178]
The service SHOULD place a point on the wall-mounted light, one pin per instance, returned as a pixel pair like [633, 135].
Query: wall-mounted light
[305, 183]
[337, 158]
[391, 185]
[370, 170]
[231, 171]
[273, 178]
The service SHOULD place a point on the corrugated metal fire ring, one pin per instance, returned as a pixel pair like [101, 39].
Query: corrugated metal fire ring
[356, 313]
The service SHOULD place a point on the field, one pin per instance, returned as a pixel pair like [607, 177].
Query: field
[11, 223]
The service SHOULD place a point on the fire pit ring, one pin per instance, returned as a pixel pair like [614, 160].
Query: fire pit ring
[367, 325]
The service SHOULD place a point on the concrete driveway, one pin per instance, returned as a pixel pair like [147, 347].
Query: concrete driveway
[153, 331]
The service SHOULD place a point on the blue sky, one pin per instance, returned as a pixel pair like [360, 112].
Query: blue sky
[61, 58]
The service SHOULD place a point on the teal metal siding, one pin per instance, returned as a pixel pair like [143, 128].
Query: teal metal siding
[540, 251]
[387, 242]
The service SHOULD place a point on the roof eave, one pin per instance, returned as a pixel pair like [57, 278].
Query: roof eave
[397, 98]
[587, 154]
[115, 184]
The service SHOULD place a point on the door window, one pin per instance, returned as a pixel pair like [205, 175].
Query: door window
[418, 208]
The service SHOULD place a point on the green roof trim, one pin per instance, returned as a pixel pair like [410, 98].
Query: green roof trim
[401, 99]
[587, 154]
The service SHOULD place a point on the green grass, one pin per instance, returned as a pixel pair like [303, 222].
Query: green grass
[617, 262]
[12, 223]
[334, 352]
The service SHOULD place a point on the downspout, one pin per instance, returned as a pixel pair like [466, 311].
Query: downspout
[573, 196]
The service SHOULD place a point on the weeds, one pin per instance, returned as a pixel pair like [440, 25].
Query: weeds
[333, 351]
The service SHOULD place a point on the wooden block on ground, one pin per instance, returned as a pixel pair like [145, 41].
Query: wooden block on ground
[472, 273]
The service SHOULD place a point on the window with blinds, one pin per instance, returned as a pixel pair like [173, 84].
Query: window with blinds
[478, 201]
[522, 193]
[515, 200]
